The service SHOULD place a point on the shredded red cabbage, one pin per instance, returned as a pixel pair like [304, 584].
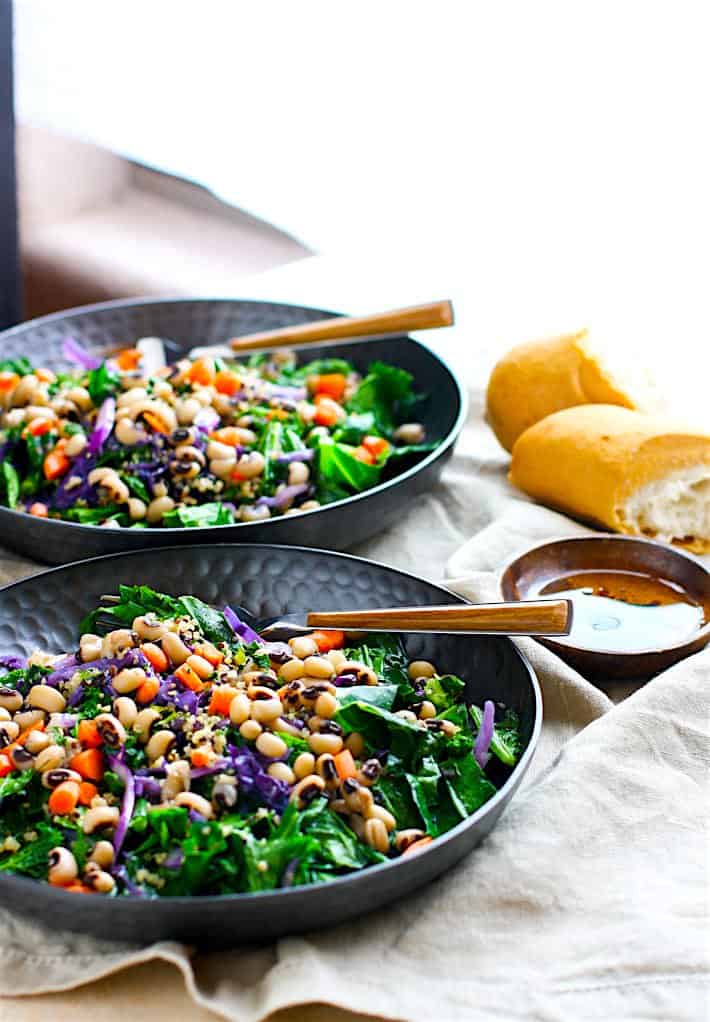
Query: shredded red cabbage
[103, 426]
[207, 420]
[216, 768]
[73, 352]
[147, 787]
[305, 454]
[282, 393]
[485, 734]
[175, 858]
[13, 663]
[62, 670]
[285, 497]
[127, 802]
[253, 779]
[67, 495]
[239, 627]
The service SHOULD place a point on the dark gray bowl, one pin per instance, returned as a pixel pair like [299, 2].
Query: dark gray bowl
[45, 610]
[190, 322]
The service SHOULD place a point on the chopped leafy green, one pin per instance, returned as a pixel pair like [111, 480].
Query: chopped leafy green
[211, 622]
[443, 691]
[386, 391]
[31, 858]
[9, 484]
[338, 467]
[13, 784]
[468, 785]
[199, 516]
[22, 366]
[137, 487]
[91, 515]
[376, 695]
[320, 367]
[271, 446]
[103, 382]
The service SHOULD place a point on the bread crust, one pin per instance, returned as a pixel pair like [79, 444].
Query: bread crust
[541, 377]
[588, 461]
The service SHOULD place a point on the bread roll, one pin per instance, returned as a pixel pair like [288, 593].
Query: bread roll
[533, 380]
[634, 473]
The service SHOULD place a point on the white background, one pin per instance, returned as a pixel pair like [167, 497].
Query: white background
[549, 161]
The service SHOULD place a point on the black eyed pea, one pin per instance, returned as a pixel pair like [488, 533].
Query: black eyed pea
[262, 678]
[318, 667]
[111, 730]
[404, 838]
[144, 722]
[128, 432]
[131, 396]
[326, 768]
[98, 879]
[147, 626]
[49, 759]
[24, 391]
[219, 452]
[81, 398]
[304, 764]
[409, 433]
[264, 711]
[195, 802]
[159, 412]
[421, 669]
[319, 743]
[44, 697]
[9, 731]
[62, 867]
[251, 465]
[306, 790]
[126, 710]
[117, 642]
[284, 725]
[427, 710]
[314, 723]
[157, 508]
[22, 759]
[175, 649]
[177, 779]
[5, 714]
[75, 445]
[186, 452]
[10, 699]
[271, 745]
[160, 489]
[239, 708]
[364, 674]
[445, 727]
[376, 834]
[254, 513]
[355, 743]
[51, 778]
[137, 509]
[30, 718]
[406, 715]
[128, 680]
[90, 647]
[186, 410]
[303, 646]
[225, 792]
[375, 812]
[309, 505]
[108, 480]
[159, 744]
[99, 816]
[369, 771]
[102, 854]
[261, 692]
[250, 730]
[326, 705]
[338, 806]
[281, 772]
[223, 467]
[337, 659]
[357, 824]
[298, 473]
[202, 668]
[292, 670]
[36, 741]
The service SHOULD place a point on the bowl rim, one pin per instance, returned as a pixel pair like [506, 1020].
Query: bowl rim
[351, 878]
[563, 642]
[439, 451]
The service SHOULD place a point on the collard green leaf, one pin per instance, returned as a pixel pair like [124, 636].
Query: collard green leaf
[376, 695]
[443, 691]
[199, 516]
[211, 622]
[14, 784]
[9, 484]
[102, 383]
[337, 467]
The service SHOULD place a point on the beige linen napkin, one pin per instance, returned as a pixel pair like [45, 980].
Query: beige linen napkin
[588, 901]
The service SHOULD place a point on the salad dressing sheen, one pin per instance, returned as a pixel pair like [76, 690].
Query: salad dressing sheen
[626, 611]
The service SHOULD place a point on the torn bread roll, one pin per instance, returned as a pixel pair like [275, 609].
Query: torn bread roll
[536, 379]
[633, 473]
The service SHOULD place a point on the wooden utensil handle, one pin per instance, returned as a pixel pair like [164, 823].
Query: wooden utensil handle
[534, 617]
[398, 321]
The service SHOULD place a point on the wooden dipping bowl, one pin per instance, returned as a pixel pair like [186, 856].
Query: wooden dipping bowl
[541, 566]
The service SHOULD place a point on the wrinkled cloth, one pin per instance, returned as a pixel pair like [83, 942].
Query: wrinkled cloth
[588, 901]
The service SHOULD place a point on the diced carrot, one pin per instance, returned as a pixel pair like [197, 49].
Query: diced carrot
[128, 359]
[227, 382]
[38, 427]
[345, 764]
[418, 846]
[56, 464]
[8, 381]
[87, 791]
[221, 700]
[45, 375]
[228, 435]
[79, 888]
[209, 653]
[155, 655]
[328, 411]
[89, 763]
[64, 798]
[202, 371]
[6, 765]
[362, 454]
[325, 641]
[148, 691]
[21, 738]
[376, 445]
[39, 510]
[189, 678]
[156, 422]
[277, 413]
[200, 757]
[89, 734]
[331, 384]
